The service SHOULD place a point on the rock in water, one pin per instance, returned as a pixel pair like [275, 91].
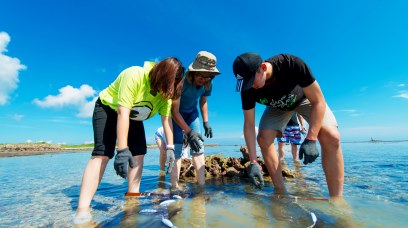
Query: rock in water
[216, 166]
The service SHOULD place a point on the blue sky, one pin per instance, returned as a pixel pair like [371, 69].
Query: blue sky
[56, 56]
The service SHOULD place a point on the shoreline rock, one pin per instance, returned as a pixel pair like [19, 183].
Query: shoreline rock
[28, 149]
[216, 167]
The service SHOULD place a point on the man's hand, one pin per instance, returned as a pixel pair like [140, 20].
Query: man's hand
[122, 158]
[255, 175]
[309, 150]
[208, 130]
[193, 140]
[170, 158]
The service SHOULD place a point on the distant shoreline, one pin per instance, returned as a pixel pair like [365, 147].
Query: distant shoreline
[29, 149]
[378, 141]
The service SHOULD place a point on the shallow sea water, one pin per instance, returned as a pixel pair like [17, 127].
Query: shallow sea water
[43, 191]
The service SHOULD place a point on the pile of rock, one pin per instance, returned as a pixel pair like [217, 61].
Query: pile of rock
[29, 147]
[10, 150]
[216, 166]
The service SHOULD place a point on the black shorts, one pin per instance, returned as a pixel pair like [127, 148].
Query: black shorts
[104, 125]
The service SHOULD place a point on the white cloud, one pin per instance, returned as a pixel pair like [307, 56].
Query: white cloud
[350, 112]
[17, 117]
[4, 40]
[9, 69]
[86, 122]
[71, 97]
[87, 109]
[43, 141]
[68, 96]
[401, 85]
[402, 95]
[347, 110]
[29, 141]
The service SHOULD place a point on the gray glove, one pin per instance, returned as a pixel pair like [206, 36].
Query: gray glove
[309, 150]
[122, 158]
[193, 140]
[255, 172]
[170, 158]
[208, 130]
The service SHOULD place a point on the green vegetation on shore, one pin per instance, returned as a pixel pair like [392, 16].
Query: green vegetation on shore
[76, 146]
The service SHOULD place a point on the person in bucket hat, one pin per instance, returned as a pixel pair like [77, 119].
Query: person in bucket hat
[285, 84]
[196, 88]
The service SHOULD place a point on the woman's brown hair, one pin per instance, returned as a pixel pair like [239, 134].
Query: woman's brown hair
[166, 77]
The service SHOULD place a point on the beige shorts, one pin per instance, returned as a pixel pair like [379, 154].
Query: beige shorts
[276, 119]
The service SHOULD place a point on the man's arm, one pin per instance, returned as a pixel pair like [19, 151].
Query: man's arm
[204, 108]
[315, 96]
[249, 134]
[204, 113]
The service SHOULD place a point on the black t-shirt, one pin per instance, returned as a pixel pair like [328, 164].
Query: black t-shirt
[290, 75]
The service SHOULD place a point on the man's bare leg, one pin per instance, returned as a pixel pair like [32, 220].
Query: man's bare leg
[332, 159]
[265, 140]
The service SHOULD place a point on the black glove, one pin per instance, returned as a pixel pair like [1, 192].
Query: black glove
[170, 158]
[255, 172]
[122, 158]
[193, 140]
[208, 130]
[309, 149]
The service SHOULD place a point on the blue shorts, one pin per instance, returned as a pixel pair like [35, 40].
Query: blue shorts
[291, 135]
[192, 120]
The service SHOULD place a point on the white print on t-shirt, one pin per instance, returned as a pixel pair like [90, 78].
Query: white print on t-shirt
[287, 101]
[141, 111]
